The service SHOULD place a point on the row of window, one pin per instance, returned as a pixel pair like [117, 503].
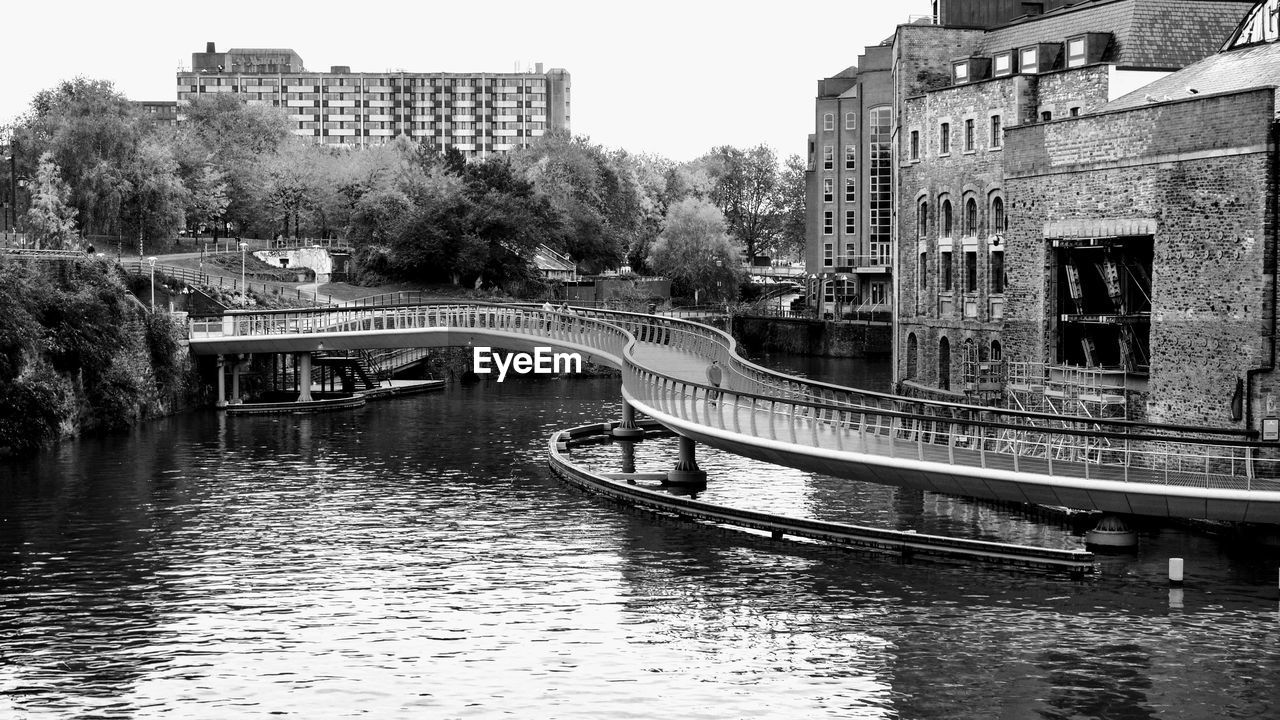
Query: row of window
[970, 350]
[850, 121]
[969, 137]
[466, 84]
[946, 269]
[997, 221]
[850, 157]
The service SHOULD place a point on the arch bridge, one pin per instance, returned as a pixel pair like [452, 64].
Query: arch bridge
[1111, 466]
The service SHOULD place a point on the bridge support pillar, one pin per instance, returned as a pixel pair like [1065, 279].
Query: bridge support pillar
[627, 428]
[304, 376]
[235, 381]
[222, 382]
[686, 471]
[628, 448]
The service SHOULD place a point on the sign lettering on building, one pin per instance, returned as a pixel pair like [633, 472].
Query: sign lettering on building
[1260, 25]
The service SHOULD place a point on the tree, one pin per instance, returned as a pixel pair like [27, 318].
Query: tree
[791, 208]
[50, 219]
[695, 251]
[745, 189]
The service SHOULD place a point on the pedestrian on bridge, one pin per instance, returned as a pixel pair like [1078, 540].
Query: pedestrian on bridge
[714, 375]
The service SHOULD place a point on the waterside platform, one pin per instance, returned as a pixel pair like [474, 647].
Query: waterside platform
[391, 388]
[626, 488]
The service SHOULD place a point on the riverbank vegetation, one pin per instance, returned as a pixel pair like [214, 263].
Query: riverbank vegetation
[78, 352]
[99, 168]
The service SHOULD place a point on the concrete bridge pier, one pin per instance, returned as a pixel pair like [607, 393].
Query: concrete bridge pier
[628, 448]
[235, 380]
[222, 381]
[303, 360]
[627, 429]
[686, 471]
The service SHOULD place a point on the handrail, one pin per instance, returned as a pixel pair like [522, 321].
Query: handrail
[768, 405]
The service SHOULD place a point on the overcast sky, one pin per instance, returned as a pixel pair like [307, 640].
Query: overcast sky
[669, 77]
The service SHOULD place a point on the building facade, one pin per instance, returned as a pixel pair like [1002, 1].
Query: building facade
[1113, 254]
[849, 189]
[478, 114]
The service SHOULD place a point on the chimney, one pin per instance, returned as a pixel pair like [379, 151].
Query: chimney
[208, 47]
[538, 68]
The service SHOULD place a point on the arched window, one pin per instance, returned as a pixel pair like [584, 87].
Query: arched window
[971, 217]
[946, 218]
[996, 350]
[997, 215]
[922, 220]
[913, 358]
[944, 364]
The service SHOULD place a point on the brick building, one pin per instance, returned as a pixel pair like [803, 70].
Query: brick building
[968, 287]
[477, 114]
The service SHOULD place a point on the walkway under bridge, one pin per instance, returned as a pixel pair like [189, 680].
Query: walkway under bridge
[1113, 466]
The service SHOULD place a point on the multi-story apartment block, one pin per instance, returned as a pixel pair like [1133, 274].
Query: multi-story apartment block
[478, 114]
[849, 192]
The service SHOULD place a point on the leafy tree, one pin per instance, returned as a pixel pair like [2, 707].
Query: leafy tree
[695, 251]
[745, 189]
[790, 206]
[50, 219]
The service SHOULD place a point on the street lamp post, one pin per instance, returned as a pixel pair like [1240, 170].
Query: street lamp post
[244, 292]
[151, 261]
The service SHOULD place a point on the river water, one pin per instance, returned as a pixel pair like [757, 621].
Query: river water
[416, 559]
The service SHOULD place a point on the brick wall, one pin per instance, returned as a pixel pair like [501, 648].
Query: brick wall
[1202, 171]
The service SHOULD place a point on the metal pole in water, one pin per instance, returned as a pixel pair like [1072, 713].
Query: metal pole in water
[1175, 571]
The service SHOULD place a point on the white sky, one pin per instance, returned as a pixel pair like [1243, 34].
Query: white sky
[669, 77]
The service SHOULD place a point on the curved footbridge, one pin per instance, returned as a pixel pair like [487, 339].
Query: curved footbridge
[1082, 463]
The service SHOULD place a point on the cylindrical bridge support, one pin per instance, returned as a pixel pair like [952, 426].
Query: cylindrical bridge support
[627, 429]
[304, 376]
[686, 471]
[628, 448]
[222, 381]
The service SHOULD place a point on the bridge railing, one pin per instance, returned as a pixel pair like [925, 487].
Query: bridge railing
[771, 405]
[1133, 456]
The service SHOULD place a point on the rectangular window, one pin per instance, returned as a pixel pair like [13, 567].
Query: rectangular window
[828, 122]
[828, 191]
[921, 271]
[1075, 53]
[850, 121]
[850, 222]
[915, 144]
[850, 190]
[1027, 60]
[944, 139]
[971, 271]
[850, 157]
[968, 135]
[997, 136]
[997, 273]
[828, 158]
[828, 254]
[945, 270]
[828, 222]
[1002, 64]
[960, 72]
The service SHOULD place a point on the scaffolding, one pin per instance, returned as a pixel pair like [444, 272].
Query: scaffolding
[1069, 391]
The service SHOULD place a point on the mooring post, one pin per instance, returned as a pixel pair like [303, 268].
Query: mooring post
[222, 381]
[686, 471]
[304, 376]
[627, 428]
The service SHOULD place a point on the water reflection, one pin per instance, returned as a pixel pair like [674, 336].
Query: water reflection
[416, 559]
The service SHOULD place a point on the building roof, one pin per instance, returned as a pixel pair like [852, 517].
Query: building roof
[1154, 34]
[1229, 71]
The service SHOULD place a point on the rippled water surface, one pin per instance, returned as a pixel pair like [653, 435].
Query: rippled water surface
[416, 559]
